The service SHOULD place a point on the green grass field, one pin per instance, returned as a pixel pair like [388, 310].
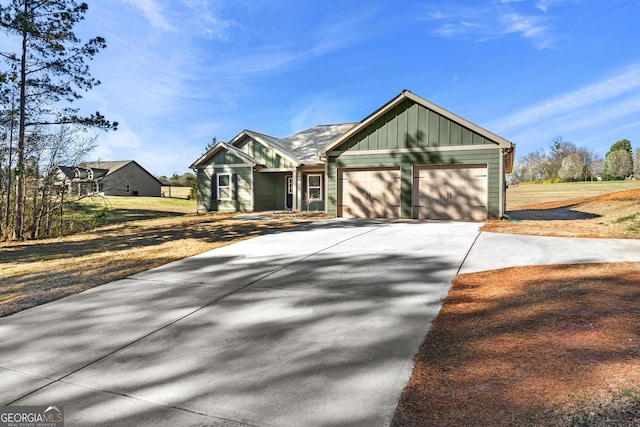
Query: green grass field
[115, 209]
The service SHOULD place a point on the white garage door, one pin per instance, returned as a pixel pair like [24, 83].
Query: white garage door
[450, 192]
[371, 193]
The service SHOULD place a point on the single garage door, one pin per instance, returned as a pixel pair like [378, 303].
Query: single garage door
[450, 192]
[371, 193]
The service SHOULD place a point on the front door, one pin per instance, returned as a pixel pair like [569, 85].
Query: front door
[289, 192]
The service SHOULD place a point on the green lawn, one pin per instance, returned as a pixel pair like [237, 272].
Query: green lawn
[161, 204]
[115, 209]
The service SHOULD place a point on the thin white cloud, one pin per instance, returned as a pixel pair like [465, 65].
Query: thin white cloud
[255, 63]
[581, 126]
[317, 109]
[529, 27]
[153, 11]
[253, 60]
[490, 21]
[544, 5]
[610, 135]
[341, 33]
[208, 21]
[592, 116]
[624, 83]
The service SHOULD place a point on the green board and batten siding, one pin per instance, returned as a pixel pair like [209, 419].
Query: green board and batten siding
[269, 188]
[241, 198]
[262, 154]
[410, 135]
[241, 179]
[270, 191]
[411, 125]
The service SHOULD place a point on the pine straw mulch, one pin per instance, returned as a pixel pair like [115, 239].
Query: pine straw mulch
[613, 215]
[531, 346]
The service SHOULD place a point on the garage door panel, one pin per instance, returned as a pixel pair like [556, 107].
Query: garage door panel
[451, 193]
[373, 193]
[354, 197]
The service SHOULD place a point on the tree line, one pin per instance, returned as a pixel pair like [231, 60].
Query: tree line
[187, 179]
[44, 70]
[565, 162]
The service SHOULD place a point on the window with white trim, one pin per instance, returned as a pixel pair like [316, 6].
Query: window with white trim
[224, 186]
[314, 187]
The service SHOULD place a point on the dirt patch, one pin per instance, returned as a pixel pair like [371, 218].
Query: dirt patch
[531, 346]
[614, 215]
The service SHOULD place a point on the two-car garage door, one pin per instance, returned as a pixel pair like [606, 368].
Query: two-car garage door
[454, 192]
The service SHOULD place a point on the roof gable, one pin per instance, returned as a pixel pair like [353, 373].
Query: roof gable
[273, 146]
[460, 128]
[218, 148]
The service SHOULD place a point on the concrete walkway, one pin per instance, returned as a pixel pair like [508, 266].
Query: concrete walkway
[496, 250]
[310, 327]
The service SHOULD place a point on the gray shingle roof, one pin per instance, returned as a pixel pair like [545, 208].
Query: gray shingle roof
[306, 144]
[109, 166]
[303, 146]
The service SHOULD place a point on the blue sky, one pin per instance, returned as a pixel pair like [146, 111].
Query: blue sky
[178, 72]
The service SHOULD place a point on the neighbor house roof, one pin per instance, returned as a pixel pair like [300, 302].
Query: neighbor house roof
[67, 170]
[110, 167]
[503, 143]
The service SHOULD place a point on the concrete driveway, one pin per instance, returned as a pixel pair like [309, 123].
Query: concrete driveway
[310, 327]
[313, 327]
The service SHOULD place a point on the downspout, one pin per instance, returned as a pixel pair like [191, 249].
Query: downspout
[253, 192]
[502, 198]
[503, 184]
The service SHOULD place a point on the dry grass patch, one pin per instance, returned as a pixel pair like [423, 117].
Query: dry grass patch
[532, 346]
[36, 272]
[614, 215]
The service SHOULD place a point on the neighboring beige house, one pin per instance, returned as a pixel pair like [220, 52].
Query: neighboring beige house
[112, 178]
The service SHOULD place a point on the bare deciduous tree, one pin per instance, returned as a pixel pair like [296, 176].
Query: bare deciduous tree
[48, 71]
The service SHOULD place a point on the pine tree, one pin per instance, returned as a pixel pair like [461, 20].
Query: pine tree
[49, 71]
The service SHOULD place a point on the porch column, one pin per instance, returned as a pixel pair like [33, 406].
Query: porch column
[297, 187]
